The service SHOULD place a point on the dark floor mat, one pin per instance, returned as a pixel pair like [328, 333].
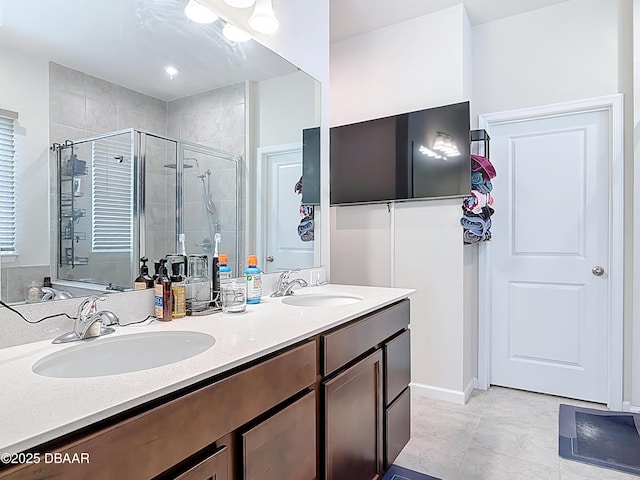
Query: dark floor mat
[603, 438]
[400, 473]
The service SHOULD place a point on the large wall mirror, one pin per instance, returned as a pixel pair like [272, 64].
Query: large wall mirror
[144, 156]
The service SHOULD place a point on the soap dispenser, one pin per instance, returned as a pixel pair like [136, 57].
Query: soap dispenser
[144, 280]
[163, 297]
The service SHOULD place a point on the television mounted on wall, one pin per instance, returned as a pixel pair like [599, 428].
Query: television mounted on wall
[416, 155]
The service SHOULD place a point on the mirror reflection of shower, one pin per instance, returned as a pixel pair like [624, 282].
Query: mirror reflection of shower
[213, 220]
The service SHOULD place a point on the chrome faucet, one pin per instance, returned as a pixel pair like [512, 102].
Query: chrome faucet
[285, 287]
[89, 322]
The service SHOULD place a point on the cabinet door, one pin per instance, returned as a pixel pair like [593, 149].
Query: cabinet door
[353, 421]
[212, 468]
[283, 447]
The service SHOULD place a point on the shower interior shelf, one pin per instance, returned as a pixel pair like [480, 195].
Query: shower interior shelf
[69, 215]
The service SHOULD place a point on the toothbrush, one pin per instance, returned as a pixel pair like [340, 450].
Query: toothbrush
[215, 268]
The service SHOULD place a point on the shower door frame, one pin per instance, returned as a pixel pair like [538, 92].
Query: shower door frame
[139, 195]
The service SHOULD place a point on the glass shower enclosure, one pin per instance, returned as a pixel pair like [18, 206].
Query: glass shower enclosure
[131, 194]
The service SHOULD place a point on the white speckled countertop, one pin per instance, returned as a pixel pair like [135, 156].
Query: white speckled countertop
[36, 409]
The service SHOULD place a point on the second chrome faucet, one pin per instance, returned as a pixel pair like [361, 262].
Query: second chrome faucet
[285, 286]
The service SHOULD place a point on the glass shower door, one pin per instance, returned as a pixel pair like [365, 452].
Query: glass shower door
[210, 203]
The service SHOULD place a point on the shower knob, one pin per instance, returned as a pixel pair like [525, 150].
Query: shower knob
[270, 258]
[598, 271]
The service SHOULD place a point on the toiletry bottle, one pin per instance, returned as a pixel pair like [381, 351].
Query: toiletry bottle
[167, 295]
[163, 301]
[143, 281]
[178, 290]
[224, 268]
[33, 294]
[156, 271]
[47, 282]
[254, 280]
[215, 268]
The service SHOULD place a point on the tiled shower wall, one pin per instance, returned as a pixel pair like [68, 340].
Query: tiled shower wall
[83, 106]
[214, 119]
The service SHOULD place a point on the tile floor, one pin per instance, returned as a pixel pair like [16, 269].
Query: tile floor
[500, 434]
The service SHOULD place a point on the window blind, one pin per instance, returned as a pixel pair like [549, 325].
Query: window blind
[112, 197]
[7, 186]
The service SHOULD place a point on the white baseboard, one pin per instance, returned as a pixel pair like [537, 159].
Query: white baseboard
[627, 407]
[438, 393]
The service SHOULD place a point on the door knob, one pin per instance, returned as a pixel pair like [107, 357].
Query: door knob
[270, 258]
[598, 271]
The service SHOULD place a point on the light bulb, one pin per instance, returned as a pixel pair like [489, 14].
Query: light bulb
[198, 13]
[235, 34]
[263, 19]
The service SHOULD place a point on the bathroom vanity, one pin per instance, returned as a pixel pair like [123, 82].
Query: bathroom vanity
[324, 396]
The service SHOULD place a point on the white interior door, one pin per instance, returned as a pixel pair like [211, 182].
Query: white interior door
[549, 265]
[284, 250]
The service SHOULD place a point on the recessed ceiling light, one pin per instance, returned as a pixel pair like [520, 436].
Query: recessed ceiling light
[235, 34]
[171, 71]
[198, 13]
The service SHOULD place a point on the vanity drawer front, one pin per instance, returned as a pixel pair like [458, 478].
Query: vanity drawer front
[397, 419]
[397, 366]
[347, 343]
[283, 446]
[154, 441]
[215, 466]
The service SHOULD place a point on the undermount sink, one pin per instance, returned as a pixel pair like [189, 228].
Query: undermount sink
[123, 354]
[321, 299]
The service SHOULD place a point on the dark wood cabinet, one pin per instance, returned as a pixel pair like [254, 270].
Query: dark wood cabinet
[214, 467]
[397, 395]
[283, 447]
[397, 366]
[353, 421]
[333, 407]
[397, 423]
[366, 395]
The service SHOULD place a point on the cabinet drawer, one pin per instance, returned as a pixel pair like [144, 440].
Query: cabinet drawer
[178, 429]
[214, 467]
[347, 343]
[397, 366]
[397, 427]
[284, 446]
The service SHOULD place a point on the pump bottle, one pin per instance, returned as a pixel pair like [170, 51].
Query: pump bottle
[254, 280]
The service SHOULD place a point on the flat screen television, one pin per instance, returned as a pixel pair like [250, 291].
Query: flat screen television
[416, 155]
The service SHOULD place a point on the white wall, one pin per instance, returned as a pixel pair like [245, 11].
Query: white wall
[286, 105]
[635, 394]
[554, 54]
[402, 68]
[24, 88]
[576, 49]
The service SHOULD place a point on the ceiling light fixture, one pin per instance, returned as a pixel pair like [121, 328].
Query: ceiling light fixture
[235, 34]
[171, 71]
[240, 3]
[263, 19]
[198, 13]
